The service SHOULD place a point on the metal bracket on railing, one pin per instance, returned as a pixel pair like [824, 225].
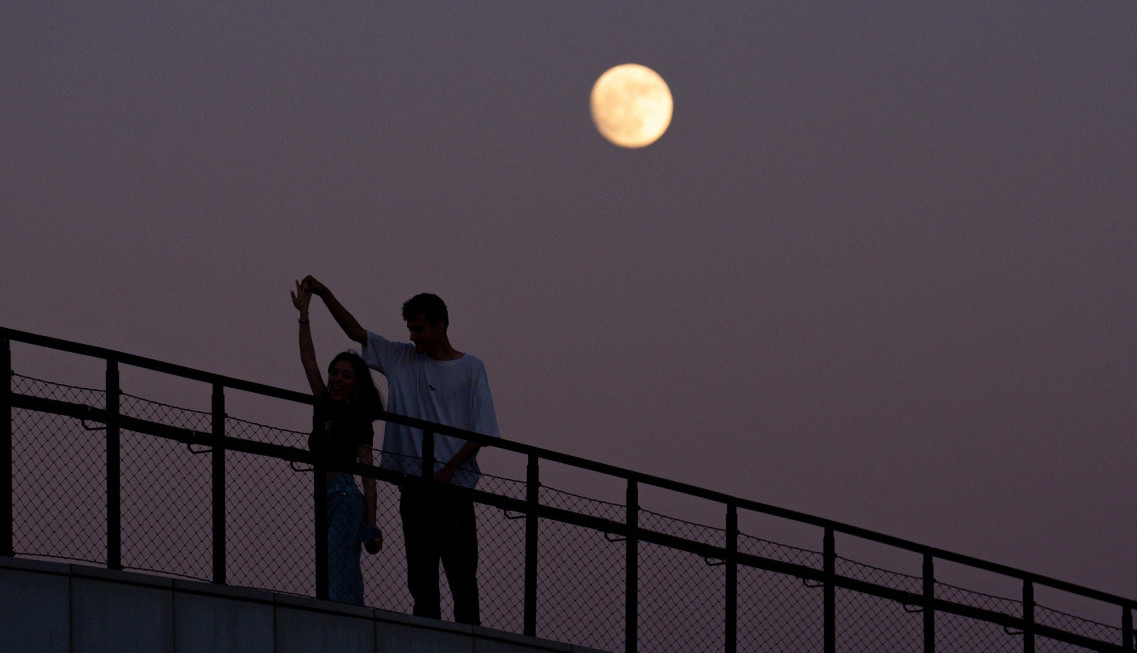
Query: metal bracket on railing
[909, 608]
[614, 538]
[805, 581]
[714, 562]
[191, 445]
[292, 464]
[1009, 631]
[92, 428]
[509, 514]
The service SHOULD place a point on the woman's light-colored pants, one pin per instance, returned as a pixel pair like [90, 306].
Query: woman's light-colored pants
[345, 521]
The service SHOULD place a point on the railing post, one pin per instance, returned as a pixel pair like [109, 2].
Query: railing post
[320, 502]
[631, 570]
[1028, 616]
[218, 461]
[731, 578]
[830, 573]
[532, 487]
[114, 468]
[929, 604]
[7, 527]
[1127, 627]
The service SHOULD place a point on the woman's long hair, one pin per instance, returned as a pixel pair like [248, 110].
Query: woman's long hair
[367, 394]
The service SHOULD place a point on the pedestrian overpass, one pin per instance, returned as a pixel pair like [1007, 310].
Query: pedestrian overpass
[130, 520]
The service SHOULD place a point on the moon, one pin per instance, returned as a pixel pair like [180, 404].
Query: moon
[631, 105]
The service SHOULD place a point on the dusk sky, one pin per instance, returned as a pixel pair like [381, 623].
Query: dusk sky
[881, 267]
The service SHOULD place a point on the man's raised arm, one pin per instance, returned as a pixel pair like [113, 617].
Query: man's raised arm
[346, 321]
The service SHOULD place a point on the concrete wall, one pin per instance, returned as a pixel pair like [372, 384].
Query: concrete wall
[50, 607]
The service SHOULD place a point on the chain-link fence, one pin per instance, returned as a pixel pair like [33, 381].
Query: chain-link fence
[553, 563]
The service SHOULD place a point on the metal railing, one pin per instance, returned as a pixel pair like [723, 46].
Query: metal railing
[606, 574]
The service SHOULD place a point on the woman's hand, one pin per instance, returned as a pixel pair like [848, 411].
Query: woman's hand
[301, 297]
[372, 538]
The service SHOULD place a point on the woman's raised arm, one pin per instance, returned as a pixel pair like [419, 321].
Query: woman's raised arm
[301, 297]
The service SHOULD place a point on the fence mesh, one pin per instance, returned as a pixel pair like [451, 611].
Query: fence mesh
[270, 536]
[59, 474]
[779, 613]
[579, 566]
[681, 599]
[887, 625]
[501, 547]
[58, 488]
[167, 523]
[1073, 624]
[957, 634]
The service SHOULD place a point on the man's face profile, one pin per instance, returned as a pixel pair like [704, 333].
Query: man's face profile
[425, 336]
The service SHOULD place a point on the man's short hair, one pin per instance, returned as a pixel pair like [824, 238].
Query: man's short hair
[429, 306]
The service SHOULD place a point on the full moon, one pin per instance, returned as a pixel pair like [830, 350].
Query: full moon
[631, 105]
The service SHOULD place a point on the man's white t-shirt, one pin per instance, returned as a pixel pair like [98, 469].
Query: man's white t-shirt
[454, 393]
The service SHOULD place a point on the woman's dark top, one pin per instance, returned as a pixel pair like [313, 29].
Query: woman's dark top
[338, 429]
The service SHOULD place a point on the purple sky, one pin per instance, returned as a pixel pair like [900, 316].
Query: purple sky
[879, 269]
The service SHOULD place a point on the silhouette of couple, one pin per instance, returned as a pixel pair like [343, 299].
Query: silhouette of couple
[427, 379]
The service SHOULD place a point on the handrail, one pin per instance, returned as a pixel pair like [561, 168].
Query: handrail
[633, 478]
[153, 364]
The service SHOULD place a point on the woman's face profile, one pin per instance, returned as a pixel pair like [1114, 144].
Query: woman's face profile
[341, 381]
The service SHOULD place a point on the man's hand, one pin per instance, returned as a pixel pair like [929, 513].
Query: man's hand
[343, 318]
[313, 286]
[444, 475]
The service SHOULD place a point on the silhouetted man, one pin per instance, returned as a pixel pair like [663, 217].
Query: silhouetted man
[430, 380]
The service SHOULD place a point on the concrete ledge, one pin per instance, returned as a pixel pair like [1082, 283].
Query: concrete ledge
[112, 615]
[35, 606]
[222, 621]
[69, 608]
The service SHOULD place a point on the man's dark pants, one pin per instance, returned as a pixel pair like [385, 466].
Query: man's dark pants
[438, 524]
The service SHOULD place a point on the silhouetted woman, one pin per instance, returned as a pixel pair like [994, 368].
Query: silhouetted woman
[342, 434]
